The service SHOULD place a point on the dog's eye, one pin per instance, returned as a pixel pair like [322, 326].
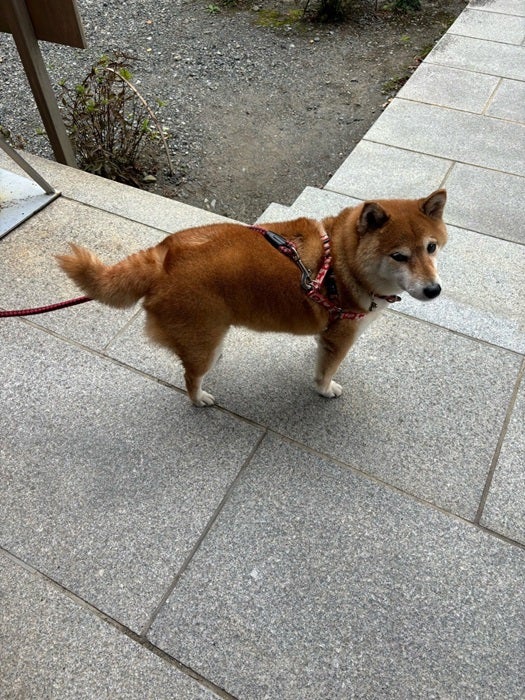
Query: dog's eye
[399, 257]
[431, 248]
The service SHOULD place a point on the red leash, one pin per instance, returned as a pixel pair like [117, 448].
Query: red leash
[45, 309]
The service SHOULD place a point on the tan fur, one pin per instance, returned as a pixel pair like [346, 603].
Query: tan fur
[199, 282]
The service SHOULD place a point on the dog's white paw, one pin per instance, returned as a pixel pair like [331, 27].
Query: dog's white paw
[332, 391]
[204, 399]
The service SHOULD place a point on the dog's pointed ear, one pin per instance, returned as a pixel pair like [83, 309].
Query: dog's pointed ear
[372, 217]
[434, 204]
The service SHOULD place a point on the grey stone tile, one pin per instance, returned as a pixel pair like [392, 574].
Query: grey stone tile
[492, 26]
[417, 401]
[503, 60]
[275, 212]
[132, 347]
[129, 202]
[108, 478]
[448, 133]
[504, 510]
[31, 277]
[509, 101]
[312, 202]
[482, 290]
[449, 87]
[54, 649]
[376, 171]
[511, 7]
[320, 203]
[316, 583]
[487, 201]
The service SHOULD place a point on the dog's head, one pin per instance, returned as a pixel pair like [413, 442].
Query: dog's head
[397, 245]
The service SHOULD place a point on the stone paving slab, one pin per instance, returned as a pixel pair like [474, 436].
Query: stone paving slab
[511, 7]
[275, 212]
[129, 202]
[470, 138]
[505, 507]
[509, 101]
[486, 201]
[394, 388]
[31, 277]
[312, 202]
[493, 26]
[317, 583]
[318, 203]
[108, 478]
[493, 58]
[55, 649]
[377, 171]
[450, 87]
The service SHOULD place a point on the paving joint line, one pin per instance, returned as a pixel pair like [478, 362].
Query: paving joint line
[198, 543]
[490, 10]
[455, 332]
[429, 61]
[440, 157]
[470, 70]
[484, 233]
[490, 98]
[164, 231]
[478, 38]
[119, 626]
[455, 110]
[500, 536]
[397, 489]
[442, 184]
[497, 452]
[122, 330]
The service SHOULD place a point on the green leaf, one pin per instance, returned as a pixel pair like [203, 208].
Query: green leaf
[125, 73]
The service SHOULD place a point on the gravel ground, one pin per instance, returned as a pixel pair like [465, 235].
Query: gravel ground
[256, 112]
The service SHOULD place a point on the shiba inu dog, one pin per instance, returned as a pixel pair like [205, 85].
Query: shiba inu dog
[329, 278]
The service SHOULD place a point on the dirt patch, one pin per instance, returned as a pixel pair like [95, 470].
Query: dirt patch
[259, 105]
[283, 106]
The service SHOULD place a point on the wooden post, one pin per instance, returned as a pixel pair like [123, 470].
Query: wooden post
[21, 27]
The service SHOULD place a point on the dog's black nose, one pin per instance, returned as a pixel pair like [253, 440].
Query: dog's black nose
[432, 291]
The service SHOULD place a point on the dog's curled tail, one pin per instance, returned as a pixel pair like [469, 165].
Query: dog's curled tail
[119, 285]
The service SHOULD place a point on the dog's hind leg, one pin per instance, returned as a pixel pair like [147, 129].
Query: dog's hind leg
[195, 369]
[333, 345]
[197, 350]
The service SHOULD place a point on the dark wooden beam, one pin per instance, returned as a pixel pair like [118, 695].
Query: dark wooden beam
[21, 27]
[53, 20]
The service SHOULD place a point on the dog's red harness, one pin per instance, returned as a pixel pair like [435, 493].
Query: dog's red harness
[312, 287]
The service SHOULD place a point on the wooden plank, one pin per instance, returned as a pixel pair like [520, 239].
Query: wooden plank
[27, 45]
[57, 21]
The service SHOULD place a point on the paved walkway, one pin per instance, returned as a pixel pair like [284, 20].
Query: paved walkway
[279, 545]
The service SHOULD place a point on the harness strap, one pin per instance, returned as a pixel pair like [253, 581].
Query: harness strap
[312, 287]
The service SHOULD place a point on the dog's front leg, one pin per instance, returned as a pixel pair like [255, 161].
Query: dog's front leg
[333, 345]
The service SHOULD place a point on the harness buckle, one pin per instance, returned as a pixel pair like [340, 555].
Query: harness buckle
[306, 280]
[275, 239]
[290, 251]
